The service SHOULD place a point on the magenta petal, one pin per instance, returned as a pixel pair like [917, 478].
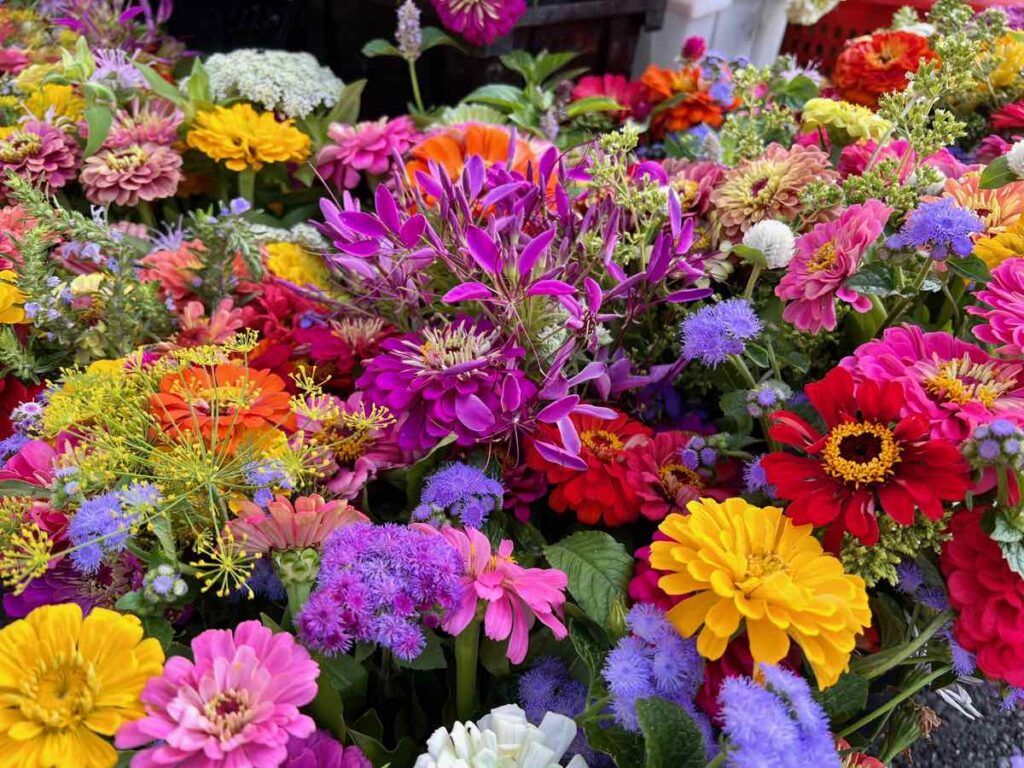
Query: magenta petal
[511, 394]
[533, 250]
[593, 291]
[483, 249]
[550, 288]
[467, 292]
[690, 294]
[559, 409]
[590, 372]
[570, 437]
[474, 414]
[363, 223]
[596, 411]
[387, 210]
[555, 455]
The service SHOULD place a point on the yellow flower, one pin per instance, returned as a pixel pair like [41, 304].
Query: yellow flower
[744, 564]
[1005, 245]
[12, 300]
[244, 138]
[295, 264]
[846, 123]
[62, 99]
[66, 683]
[1009, 53]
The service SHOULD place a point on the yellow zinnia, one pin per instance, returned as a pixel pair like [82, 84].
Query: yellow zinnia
[66, 683]
[1005, 245]
[295, 264]
[244, 138]
[846, 123]
[743, 564]
[12, 300]
[55, 101]
[1009, 57]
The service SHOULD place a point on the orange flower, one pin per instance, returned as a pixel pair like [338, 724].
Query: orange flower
[1000, 209]
[696, 106]
[450, 147]
[226, 400]
[875, 64]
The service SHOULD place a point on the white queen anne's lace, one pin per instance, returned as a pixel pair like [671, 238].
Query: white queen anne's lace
[293, 84]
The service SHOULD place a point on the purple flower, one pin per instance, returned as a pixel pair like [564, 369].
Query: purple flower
[713, 333]
[479, 21]
[770, 725]
[100, 526]
[964, 662]
[755, 479]
[460, 492]
[114, 68]
[910, 577]
[321, 750]
[409, 35]
[940, 226]
[377, 583]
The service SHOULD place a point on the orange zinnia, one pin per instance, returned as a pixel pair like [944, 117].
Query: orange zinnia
[695, 108]
[452, 146]
[875, 64]
[226, 400]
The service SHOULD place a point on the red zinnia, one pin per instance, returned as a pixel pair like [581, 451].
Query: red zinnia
[989, 597]
[868, 457]
[602, 490]
[878, 63]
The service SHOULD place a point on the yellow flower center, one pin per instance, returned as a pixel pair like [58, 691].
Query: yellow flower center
[823, 258]
[18, 146]
[761, 564]
[861, 453]
[601, 442]
[127, 159]
[675, 477]
[60, 692]
[229, 712]
[963, 381]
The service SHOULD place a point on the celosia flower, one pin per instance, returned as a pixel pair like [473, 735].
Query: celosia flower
[68, 683]
[292, 262]
[244, 138]
[629, 94]
[878, 63]
[872, 456]
[364, 148]
[695, 107]
[825, 258]
[768, 187]
[601, 492]
[998, 208]
[1003, 315]
[713, 333]
[952, 383]
[479, 21]
[451, 147]
[770, 724]
[306, 524]
[988, 595]
[129, 174]
[376, 584]
[514, 596]
[236, 703]
[12, 300]
[40, 153]
[844, 122]
[459, 492]
[941, 227]
[321, 750]
[292, 83]
[742, 564]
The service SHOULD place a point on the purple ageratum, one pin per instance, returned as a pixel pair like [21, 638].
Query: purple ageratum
[457, 379]
[941, 226]
[459, 492]
[379, 584]
[100, 527]
[770, 725]
[713, 333]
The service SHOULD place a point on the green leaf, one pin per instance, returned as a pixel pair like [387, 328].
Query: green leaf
[124, 759]
[414, 475]
[623, 747]
[362, 732]
[380, 47]
[1013, 554]
[734, 405]
[199, 82]
[547, 64]
[598, 567]
[970, 268]
[347, 676]
[494, 656]
[431, 37]
[498, 95]
[99, 120]
[133, 602]
[875, 279]
[161, 86]
[591, 645]
[431, 657]
[750, 255]
[520, 62]
[160, 628]
[798, 91]
[471, 113]
[799, 361]
[671, 738]
[592, 104]
[997, 174]
[758, 355]
[844, 700]
[346, 110]
[21, 488]
[888, 617]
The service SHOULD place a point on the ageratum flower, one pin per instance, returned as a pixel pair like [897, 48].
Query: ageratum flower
[713, 333]
[941, 227]
[40, 153]
[128, 175]
[459, 492]
[480, 21]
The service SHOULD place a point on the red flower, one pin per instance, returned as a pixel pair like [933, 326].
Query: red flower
[628, 93]
[643, 587]
[1009, 117]
[867, 458]
[989, 597]
[13, 392]
[875, 64]
[602, 491]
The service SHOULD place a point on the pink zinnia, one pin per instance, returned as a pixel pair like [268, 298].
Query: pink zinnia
[991, 147]
[236, 705]
[854, 159]
[156, 122]
[515, 596]
[367, 147]
[129, 174]
[1004, 316]
[39, 152]
[321, 750]
[825, 258]
[1009, 117]
[629, 93]
[480, 21]
[655, 470]
[956, 385]
[307, 524]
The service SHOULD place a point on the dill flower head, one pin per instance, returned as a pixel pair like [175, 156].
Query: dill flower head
[844, 122]
[747, 565]
[243, 138]
[294, 263]
[68, 682]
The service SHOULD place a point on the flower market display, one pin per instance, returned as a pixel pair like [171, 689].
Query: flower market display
[589, 421]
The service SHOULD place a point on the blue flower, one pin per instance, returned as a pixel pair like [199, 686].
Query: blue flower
[941, 226]
[713, 333]
[459, 492]
[101, 526]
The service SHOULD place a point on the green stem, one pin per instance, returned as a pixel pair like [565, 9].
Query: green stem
[953, 289]
[416, 87]
[145, 209]
[467, 649]
[906, 651]
[719, 760]
[895, 701]
[901, 306]
[247, 185]
[755, 273]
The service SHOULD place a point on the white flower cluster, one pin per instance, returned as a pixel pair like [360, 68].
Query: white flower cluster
[293, 84]
[302, 234]
[502, 739]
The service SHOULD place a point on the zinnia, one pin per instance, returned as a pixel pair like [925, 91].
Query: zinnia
[451, 147]
[999, 208]
[480, 21]
[366, 147]
[872, 455]
[825, 258]
[514, 596]
[306, 524]
[40, 153]
[244, 138]
[742, 564]
[630, 95]
[1004, 316]
[129, 174]
[695, 107]
[1000, 247]
[875, 64]
[236, 704]
[12, 300]
[68, 682]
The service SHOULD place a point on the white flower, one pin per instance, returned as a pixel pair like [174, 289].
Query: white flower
[774, 239]
[293, 84]
[1015, 159]
[502, 739]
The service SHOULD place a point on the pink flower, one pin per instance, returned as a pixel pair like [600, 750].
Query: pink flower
[129, 174]
[1004, 316]
[515, 596]
[39, 152]
[991, 147]
[236, 705]
[283, 526]
[854, 159]
[479, 21]
[196, 329]
[156, 122]
[14, 223]
[956, 385]
[321, 750]
[1009, 117]
[367, 147]
[630, 94]
[33, 464]
[12, 60]
[694, 48]
[825, 257]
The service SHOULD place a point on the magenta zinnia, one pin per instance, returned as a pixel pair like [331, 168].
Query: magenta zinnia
[129, 174]
[480, 21]
[1004, 316]
[40, 153]
[366, 147]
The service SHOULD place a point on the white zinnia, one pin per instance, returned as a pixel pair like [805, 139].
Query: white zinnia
[502, 739]
[774, 239]
[293, 84]
[1015, 159]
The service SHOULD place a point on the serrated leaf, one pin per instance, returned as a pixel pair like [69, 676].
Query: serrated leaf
[346, 110]
[99, 119]
[380, 47]
[431, 657]
[498, 95]
[623, 747]
[970, 268]
[997, 174]
[844, 700]
[163, 88]
[671, 738]
[598, 567]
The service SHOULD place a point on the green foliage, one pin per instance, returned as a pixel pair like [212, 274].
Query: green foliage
[671, 738]
[844, 700]
[598, 567]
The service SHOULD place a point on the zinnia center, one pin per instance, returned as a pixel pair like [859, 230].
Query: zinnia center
[963, 381]
[601, 442]
[823, 258]
[861, 453]
[228, 712]
[761, 564]
[18, 146]
[60, 692]
[675, 477]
